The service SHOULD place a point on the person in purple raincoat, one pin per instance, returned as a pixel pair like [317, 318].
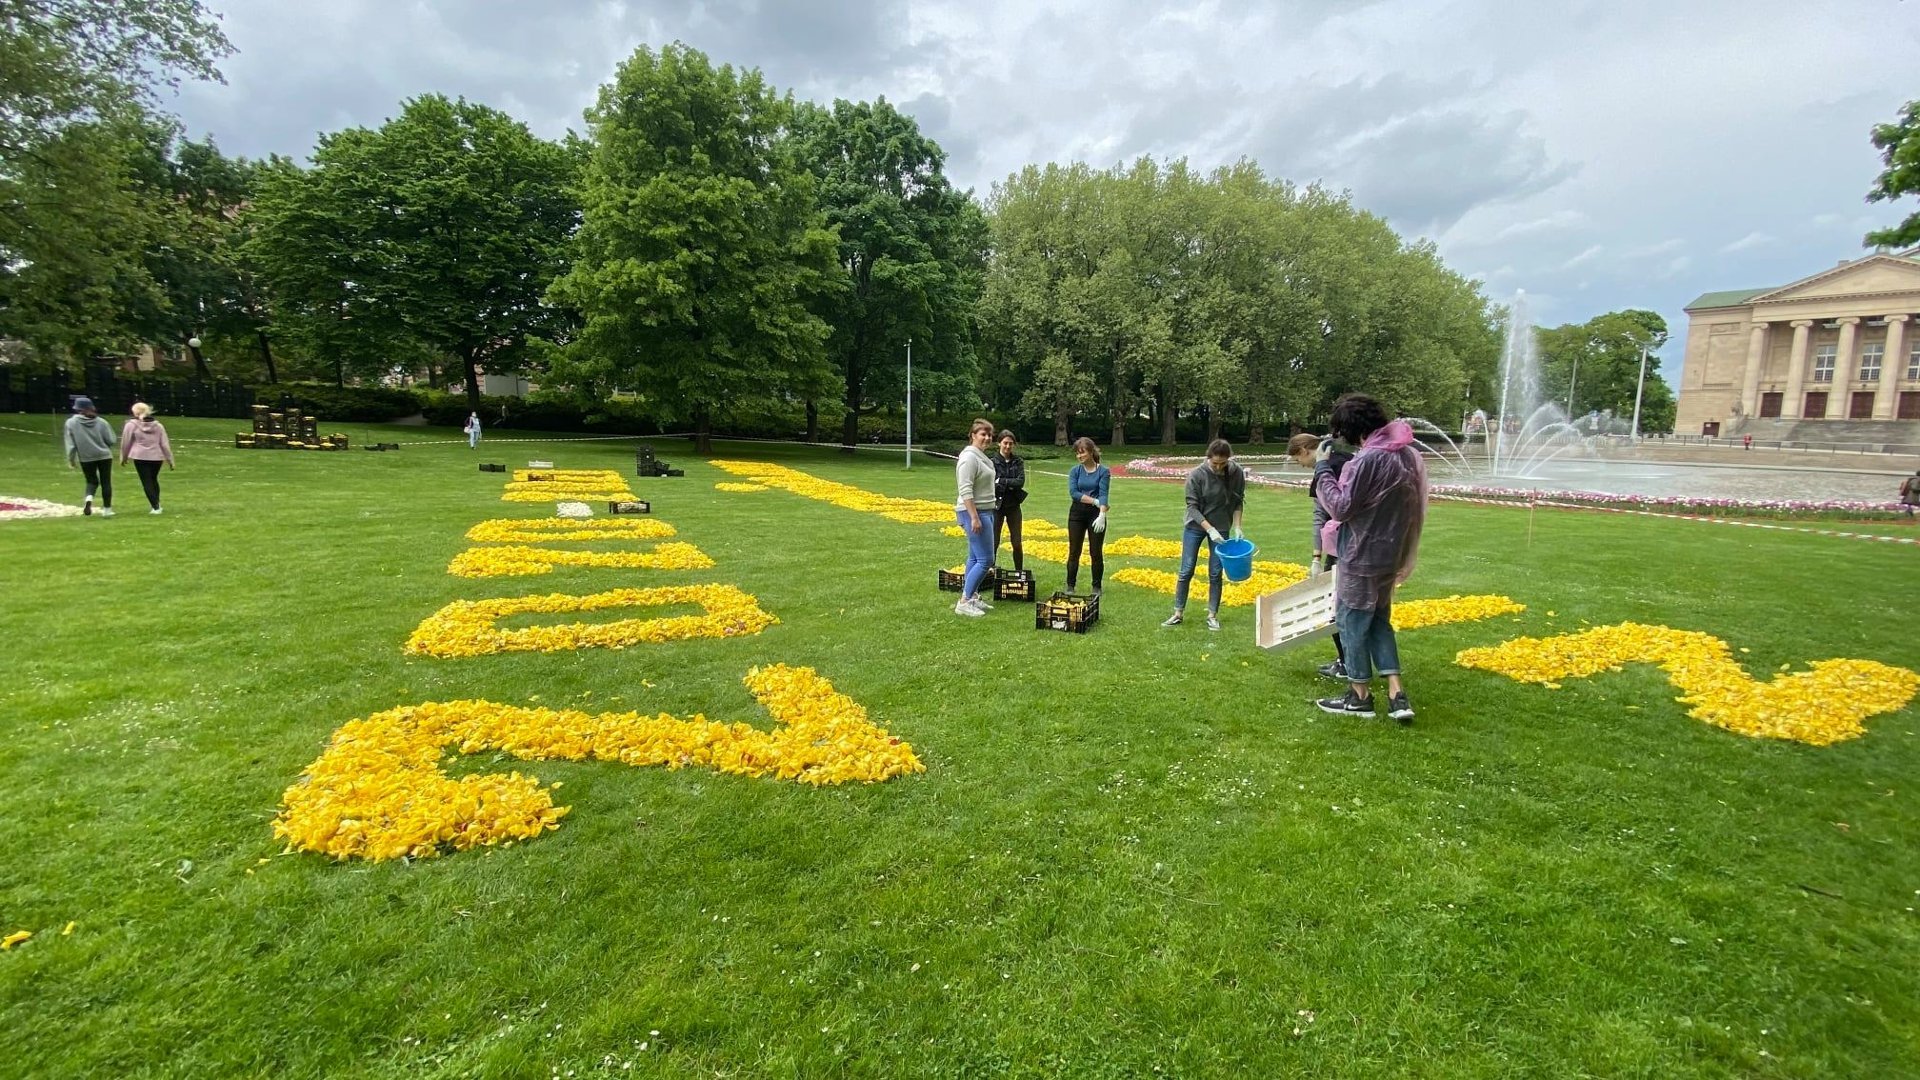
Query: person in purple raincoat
[1380, 502]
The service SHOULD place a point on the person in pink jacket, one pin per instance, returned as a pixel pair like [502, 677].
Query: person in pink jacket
[144, 442]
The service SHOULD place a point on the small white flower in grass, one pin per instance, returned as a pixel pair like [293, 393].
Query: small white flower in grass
[914, 968]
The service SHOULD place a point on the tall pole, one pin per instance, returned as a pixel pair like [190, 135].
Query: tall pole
[909, 403]
[1637, 389]
[1572, 381]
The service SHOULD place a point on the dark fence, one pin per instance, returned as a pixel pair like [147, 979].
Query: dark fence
[114, 392]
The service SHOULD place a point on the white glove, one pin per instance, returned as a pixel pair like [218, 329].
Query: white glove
[1323, 451]
[1099, 522]
[1316, 567]
[1213, 534]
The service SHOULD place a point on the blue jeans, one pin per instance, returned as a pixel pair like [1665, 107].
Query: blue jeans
[1189, 560]
[1366, 638]
[979, 551]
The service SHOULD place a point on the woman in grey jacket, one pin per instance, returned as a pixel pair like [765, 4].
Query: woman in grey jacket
[974, 475]
[89, 442]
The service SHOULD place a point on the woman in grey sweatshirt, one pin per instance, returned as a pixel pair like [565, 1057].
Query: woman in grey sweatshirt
[89, 442]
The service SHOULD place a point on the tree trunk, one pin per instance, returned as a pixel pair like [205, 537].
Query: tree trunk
[266, 354]
[1061, 414]
[1256, 429]
[1168, 414]
[339, 370]
[472, 365]
[702, 430]
[850, 423]
[1213, 423]
[1119, 433]
[813, 421]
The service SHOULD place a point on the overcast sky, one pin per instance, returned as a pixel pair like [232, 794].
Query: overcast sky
[1597, 155]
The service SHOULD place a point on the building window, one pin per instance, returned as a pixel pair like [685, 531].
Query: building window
[1913, 363]
[1870, 356]
[1823, 362]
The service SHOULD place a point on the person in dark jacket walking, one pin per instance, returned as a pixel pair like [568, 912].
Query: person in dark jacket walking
[89, 442]
[1301, 448]
[1010, 487]
[1216, 498]
[144, 442]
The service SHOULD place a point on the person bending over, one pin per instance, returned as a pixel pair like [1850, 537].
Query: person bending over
[1216, 497]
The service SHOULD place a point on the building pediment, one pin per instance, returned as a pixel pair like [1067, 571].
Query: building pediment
[1871, 276]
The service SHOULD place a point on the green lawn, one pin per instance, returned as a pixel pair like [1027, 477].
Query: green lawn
[1139, 852]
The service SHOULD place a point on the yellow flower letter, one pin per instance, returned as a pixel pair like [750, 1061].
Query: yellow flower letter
[1820, 706]
[467, 627]
[378, 791]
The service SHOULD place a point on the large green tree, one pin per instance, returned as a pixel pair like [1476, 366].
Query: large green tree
[439, 231]
[910, 252]
[1594, 366]
[1899, 146]
[78, 86]
[701, 248]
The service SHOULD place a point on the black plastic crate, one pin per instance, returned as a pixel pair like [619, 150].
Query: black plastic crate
[629, 506]
[1066, 612]
[484, 466]
[1016, 585]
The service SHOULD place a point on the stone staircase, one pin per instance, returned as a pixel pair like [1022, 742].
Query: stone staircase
[1892, 436]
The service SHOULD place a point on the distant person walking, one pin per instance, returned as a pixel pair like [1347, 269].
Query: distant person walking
[1010, 488]
[473, 430]
[974, 476]
[1910, 492]
[88, 441]
[1087, 487]
[1216, 499]
[1380, 502]
[144, 442]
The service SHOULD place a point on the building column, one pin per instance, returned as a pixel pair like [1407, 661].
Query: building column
[1893, 367]
[1792, 400]
[1845, 363]
[1750, 383]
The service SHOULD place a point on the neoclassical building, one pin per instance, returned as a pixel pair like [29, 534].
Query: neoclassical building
[1839, 345]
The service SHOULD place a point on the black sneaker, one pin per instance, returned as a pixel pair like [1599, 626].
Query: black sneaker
[1334, 670]
[1399, 708]
[1351, 705]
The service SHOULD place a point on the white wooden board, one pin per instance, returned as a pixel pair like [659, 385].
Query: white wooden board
[1300, 612]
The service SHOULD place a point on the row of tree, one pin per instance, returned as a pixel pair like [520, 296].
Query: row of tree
[709, 244]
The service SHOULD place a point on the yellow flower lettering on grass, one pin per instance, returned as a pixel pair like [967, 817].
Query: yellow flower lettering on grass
[911, 511]
[591, 475]
[726, 486]
[547, 530]
[1820, 706]
[379, 792]
[519, 560]
[1419, 614]
[15, 938]
[533, 493]
[468, 627]
[1266, 577]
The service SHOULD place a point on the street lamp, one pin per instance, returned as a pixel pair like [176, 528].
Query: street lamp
[909, 403]
[1637, 389]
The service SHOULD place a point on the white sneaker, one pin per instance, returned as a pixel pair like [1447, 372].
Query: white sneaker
[155, 510]
[106, 511]
[964, 608]
[981, 603]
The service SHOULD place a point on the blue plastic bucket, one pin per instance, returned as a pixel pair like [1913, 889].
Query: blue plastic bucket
[1236, 558]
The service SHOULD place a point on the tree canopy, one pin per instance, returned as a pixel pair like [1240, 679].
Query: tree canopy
[1899, 146]
[437, 233]
[1594, 366]
[701, 249]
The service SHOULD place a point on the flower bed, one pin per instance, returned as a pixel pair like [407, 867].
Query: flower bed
[910, 511]
[18, 508]
[548, 530]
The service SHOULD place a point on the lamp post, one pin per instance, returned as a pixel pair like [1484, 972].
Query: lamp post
[1638, 388]
[1572, 381]
[909, 403]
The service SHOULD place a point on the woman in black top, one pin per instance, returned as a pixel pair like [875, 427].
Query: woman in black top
[1010, 486]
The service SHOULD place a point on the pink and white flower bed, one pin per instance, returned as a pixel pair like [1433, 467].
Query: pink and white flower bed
[16, 508]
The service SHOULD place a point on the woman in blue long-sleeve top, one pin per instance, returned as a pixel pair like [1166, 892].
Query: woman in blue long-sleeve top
[1087, 486]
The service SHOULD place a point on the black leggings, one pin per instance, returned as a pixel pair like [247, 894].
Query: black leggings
[1079, 519]
[99, 474]
[149, 481]
[1009, 518]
